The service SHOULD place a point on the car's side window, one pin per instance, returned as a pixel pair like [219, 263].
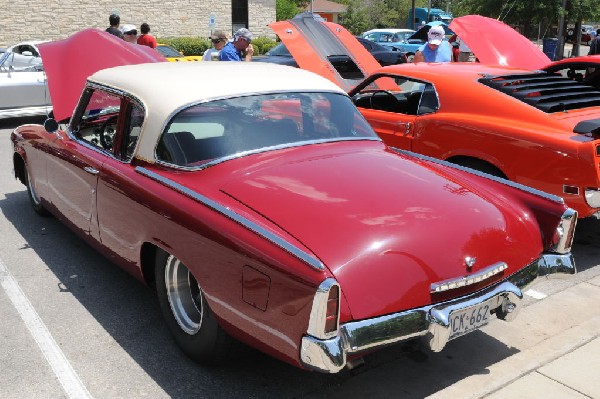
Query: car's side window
[131, 131]
[97, 122]
[399, 95]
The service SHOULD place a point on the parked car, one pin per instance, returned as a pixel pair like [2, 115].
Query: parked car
[172, 55]
[588, 33]
[412, 43]
[388, 35]
[384, 56]
[530, 126]
[23, 86]
[267, 209]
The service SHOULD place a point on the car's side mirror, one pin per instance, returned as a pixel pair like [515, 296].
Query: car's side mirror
[51, 125]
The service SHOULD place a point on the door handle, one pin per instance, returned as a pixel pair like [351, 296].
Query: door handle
[90, 170]
[405, 125]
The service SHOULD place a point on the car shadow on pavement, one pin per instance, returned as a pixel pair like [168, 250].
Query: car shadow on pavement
[130, 314]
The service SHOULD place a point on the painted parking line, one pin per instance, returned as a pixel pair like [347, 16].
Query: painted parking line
[54, 356]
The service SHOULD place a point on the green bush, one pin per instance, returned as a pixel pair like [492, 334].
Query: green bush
[262, 45]
[198, 45]
[187, 45]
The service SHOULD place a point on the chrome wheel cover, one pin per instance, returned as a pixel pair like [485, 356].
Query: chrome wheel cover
[32, 193]
[184, 296]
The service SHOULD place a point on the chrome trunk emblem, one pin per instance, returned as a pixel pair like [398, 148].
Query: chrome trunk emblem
[470, 261]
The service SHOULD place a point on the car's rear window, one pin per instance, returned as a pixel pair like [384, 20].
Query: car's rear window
[222, 128]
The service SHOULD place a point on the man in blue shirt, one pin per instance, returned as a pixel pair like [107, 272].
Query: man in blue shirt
[436, 49]
[240, 49]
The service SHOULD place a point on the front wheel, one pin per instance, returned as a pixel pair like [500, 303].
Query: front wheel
[410, 57]
[34, 199]
[187, 314]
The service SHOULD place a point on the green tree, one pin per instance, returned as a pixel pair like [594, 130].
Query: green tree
[286, 9]
[364, 15]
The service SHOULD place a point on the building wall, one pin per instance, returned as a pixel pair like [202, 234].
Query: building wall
[58, 19]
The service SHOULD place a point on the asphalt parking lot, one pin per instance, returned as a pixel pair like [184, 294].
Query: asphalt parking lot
[74, 325]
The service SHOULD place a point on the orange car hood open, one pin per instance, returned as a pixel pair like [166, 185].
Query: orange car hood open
[312, 41]
[495, 43]
[69, 62]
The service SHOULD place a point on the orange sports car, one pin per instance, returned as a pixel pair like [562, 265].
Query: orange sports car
[515, 115]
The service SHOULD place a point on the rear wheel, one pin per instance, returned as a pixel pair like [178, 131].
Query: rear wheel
[410, 57]
[36, 203]
[187, 314]
[481, 166]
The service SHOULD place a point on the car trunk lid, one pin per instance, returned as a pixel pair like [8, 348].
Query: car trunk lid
[389, 237]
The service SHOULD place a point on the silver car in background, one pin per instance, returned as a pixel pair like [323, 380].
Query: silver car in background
[23, 84]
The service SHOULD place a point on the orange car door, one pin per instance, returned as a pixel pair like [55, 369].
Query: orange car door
[395, 129]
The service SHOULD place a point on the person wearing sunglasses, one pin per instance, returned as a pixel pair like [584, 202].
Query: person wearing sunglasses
[130, 33]
[436, 49]
[219, 40]
[240, 49]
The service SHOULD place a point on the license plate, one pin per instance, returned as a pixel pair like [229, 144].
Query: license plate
[470, 319]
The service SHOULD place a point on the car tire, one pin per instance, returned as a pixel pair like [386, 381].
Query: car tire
[34, 199]
[187, 314]
[410, 57]
[481, 166]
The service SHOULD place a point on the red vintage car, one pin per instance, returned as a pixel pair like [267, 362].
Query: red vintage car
[267, 209]
[515, 115]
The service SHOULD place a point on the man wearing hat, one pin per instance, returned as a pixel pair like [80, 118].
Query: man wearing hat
[219, 40]
[130, 33]
[240, 49]
[436, 49]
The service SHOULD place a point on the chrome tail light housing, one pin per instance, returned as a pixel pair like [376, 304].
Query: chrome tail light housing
[324, 319]
[563, 236]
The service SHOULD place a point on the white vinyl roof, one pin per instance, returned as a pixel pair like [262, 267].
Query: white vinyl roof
[172, 85]
[166, 87]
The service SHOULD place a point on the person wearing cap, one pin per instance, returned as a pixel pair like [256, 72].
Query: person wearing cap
[219, 40]
[130, 33]
[436, 49]
[146, 39]
[114, 20]
[240, 48]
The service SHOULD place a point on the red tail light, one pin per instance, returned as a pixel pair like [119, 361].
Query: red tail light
[333, 310]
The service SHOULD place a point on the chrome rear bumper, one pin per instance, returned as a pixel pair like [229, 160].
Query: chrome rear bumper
[430, 322]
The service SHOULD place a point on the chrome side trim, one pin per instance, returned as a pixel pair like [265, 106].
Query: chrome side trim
[431, 321]
[283, 244]
[521, 187]
[25, 111]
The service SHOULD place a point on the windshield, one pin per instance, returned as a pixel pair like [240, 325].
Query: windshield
[280, 49]
[223, 128]
[168, 51]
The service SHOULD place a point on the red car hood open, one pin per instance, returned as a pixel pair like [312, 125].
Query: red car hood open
[397, 231]
[495, 43]
[69, 62]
